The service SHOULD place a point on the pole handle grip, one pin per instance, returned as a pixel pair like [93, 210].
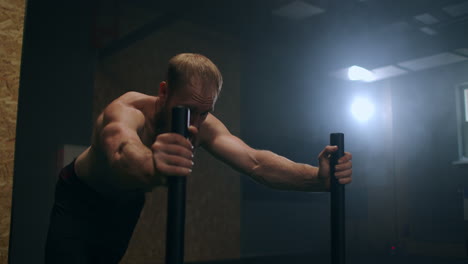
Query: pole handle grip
[337, 203]
[176, 196]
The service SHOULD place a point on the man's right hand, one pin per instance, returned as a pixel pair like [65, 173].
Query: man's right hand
[172, 155]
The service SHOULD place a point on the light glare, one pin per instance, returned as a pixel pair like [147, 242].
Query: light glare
[362, 109]
[356, 73]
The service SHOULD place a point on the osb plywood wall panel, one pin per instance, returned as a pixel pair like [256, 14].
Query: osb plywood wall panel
[213, 190]
[11, 37]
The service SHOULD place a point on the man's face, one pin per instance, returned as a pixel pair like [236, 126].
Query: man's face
[197, 97]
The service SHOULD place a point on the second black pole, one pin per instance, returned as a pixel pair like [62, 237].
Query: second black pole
[337, 203]
[176, 197]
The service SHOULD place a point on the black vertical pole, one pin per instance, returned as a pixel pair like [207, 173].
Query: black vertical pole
[176, 197]
[337, 204]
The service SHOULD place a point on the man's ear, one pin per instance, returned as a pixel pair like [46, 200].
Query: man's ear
[163, 90]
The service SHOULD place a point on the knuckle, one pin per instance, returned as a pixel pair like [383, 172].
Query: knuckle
[178, 152]
[156, 146]
[161, 137]
[179, 139]
[182, 171]
[161, 167]
[158, 156]
[182, 152]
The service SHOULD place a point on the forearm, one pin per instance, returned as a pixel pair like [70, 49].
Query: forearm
[281, 173]
[263, 166]
[133, 167]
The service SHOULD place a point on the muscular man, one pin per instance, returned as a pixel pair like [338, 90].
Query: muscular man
[100, 195]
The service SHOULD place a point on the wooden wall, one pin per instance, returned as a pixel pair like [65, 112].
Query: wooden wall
[213, 190]
[11, 38]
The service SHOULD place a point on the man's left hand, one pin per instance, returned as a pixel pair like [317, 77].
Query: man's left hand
[343, 169]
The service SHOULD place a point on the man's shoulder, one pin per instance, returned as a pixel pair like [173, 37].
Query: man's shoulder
[212, 125]
[133, 96]
[130, 103]
[135, 100]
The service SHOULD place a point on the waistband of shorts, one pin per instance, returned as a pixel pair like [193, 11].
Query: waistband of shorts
[69, 177]
[68, 172]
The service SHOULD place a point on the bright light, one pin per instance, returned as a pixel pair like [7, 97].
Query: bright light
[356, 73]
[362, 109]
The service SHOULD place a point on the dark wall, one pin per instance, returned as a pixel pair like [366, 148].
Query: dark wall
[54, 108]
[283, 110]
[405, 191]
[425, 118]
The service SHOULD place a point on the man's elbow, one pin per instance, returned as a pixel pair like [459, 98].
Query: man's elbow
[258, 169]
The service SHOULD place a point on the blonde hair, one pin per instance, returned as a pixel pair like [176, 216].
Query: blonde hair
[186, 68]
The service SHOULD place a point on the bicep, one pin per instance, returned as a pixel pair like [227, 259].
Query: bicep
[120, 126]
[125, 115]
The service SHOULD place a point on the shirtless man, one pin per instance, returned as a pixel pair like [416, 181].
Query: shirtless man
[100, 195]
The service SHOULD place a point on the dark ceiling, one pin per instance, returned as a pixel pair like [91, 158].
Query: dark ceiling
[370, 32]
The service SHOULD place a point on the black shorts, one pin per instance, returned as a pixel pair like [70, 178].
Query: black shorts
[86, 227]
